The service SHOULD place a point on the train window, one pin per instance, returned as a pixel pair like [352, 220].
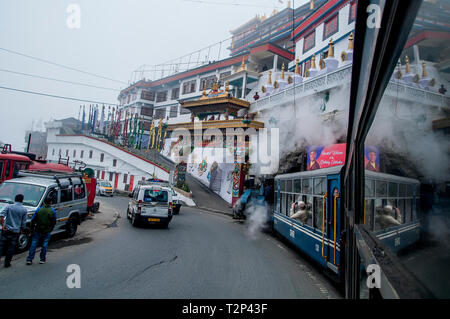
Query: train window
[409, 190]
[318, 213]
[381, 188]
[418, 72]
[289, 202]
[393, 190]
[408, 209]
[402, 190]
[401, 207]
[1, 169]
[283, 185]
[369, 213]
[306, 186]
[289, 186]
[378, 213]
[308, 200]
[320, 186]
[298, 186]
[370, 188]
[283, 203]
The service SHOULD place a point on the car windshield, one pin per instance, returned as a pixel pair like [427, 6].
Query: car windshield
[155, 195]
[105, 184]
[32, 193]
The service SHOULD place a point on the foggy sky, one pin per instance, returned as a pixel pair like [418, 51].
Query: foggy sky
[114, 39]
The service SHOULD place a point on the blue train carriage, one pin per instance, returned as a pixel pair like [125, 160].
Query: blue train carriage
[391, 209]
[307, 212]
[313, 198]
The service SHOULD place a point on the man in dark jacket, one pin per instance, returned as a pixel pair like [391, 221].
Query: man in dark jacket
[42, 224]
[13, 221]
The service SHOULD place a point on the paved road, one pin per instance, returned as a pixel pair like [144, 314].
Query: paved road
[201, 255]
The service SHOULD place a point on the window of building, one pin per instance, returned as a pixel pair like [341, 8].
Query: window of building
[161, 96]
[330, 27]
[74, 153]
[102, 157]
[125, 178]
[184, 110]
[110, 177]
[173, 110]
[90, 154]
[189, 87]
[98, 173]
[175, 93]
[309, 42]
[67, 153]
[224, 74]
[206, 83]
[114, 162]
[59, 152]
[147, 125]
[352, 13]
[53, 152]
[160, 113]
[148, 95]
[82, 154]
[147, 110]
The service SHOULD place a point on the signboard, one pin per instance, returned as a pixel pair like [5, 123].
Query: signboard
[334, 155]
[372, 158]
[325, 156]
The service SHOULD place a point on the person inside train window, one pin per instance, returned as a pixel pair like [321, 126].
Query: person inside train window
[301, 210]
[387, 216]
[372, 164]
[313, 164]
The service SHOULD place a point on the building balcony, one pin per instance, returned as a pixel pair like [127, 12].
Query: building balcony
[342, 76]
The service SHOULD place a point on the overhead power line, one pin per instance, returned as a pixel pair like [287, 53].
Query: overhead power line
[58, 80]
[55, 96]
[61, 65]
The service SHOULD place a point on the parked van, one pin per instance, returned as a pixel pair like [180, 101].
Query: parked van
[67, 192]
[150, 204]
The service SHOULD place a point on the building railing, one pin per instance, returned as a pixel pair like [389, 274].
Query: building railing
[343, 76]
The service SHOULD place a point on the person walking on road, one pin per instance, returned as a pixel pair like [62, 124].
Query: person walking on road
[42, 224]
[13, 220]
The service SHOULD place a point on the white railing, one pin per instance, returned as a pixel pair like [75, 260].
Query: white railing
[343, 76]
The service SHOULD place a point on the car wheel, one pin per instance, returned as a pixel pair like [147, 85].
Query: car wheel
[23, 242]
[134, 221]
[71, 227]
[165, 225]
[128, 214]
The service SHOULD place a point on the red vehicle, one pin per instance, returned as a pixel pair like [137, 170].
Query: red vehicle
[11, 164]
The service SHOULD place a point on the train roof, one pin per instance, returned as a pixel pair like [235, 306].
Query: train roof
[313, 173]
[337, 169]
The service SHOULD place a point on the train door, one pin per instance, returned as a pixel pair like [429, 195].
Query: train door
[332, 224]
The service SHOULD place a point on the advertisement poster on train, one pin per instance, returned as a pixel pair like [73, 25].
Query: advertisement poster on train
[372, 158]
[325, 156]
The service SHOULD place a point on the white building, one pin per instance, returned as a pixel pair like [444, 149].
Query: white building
[122, 168]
